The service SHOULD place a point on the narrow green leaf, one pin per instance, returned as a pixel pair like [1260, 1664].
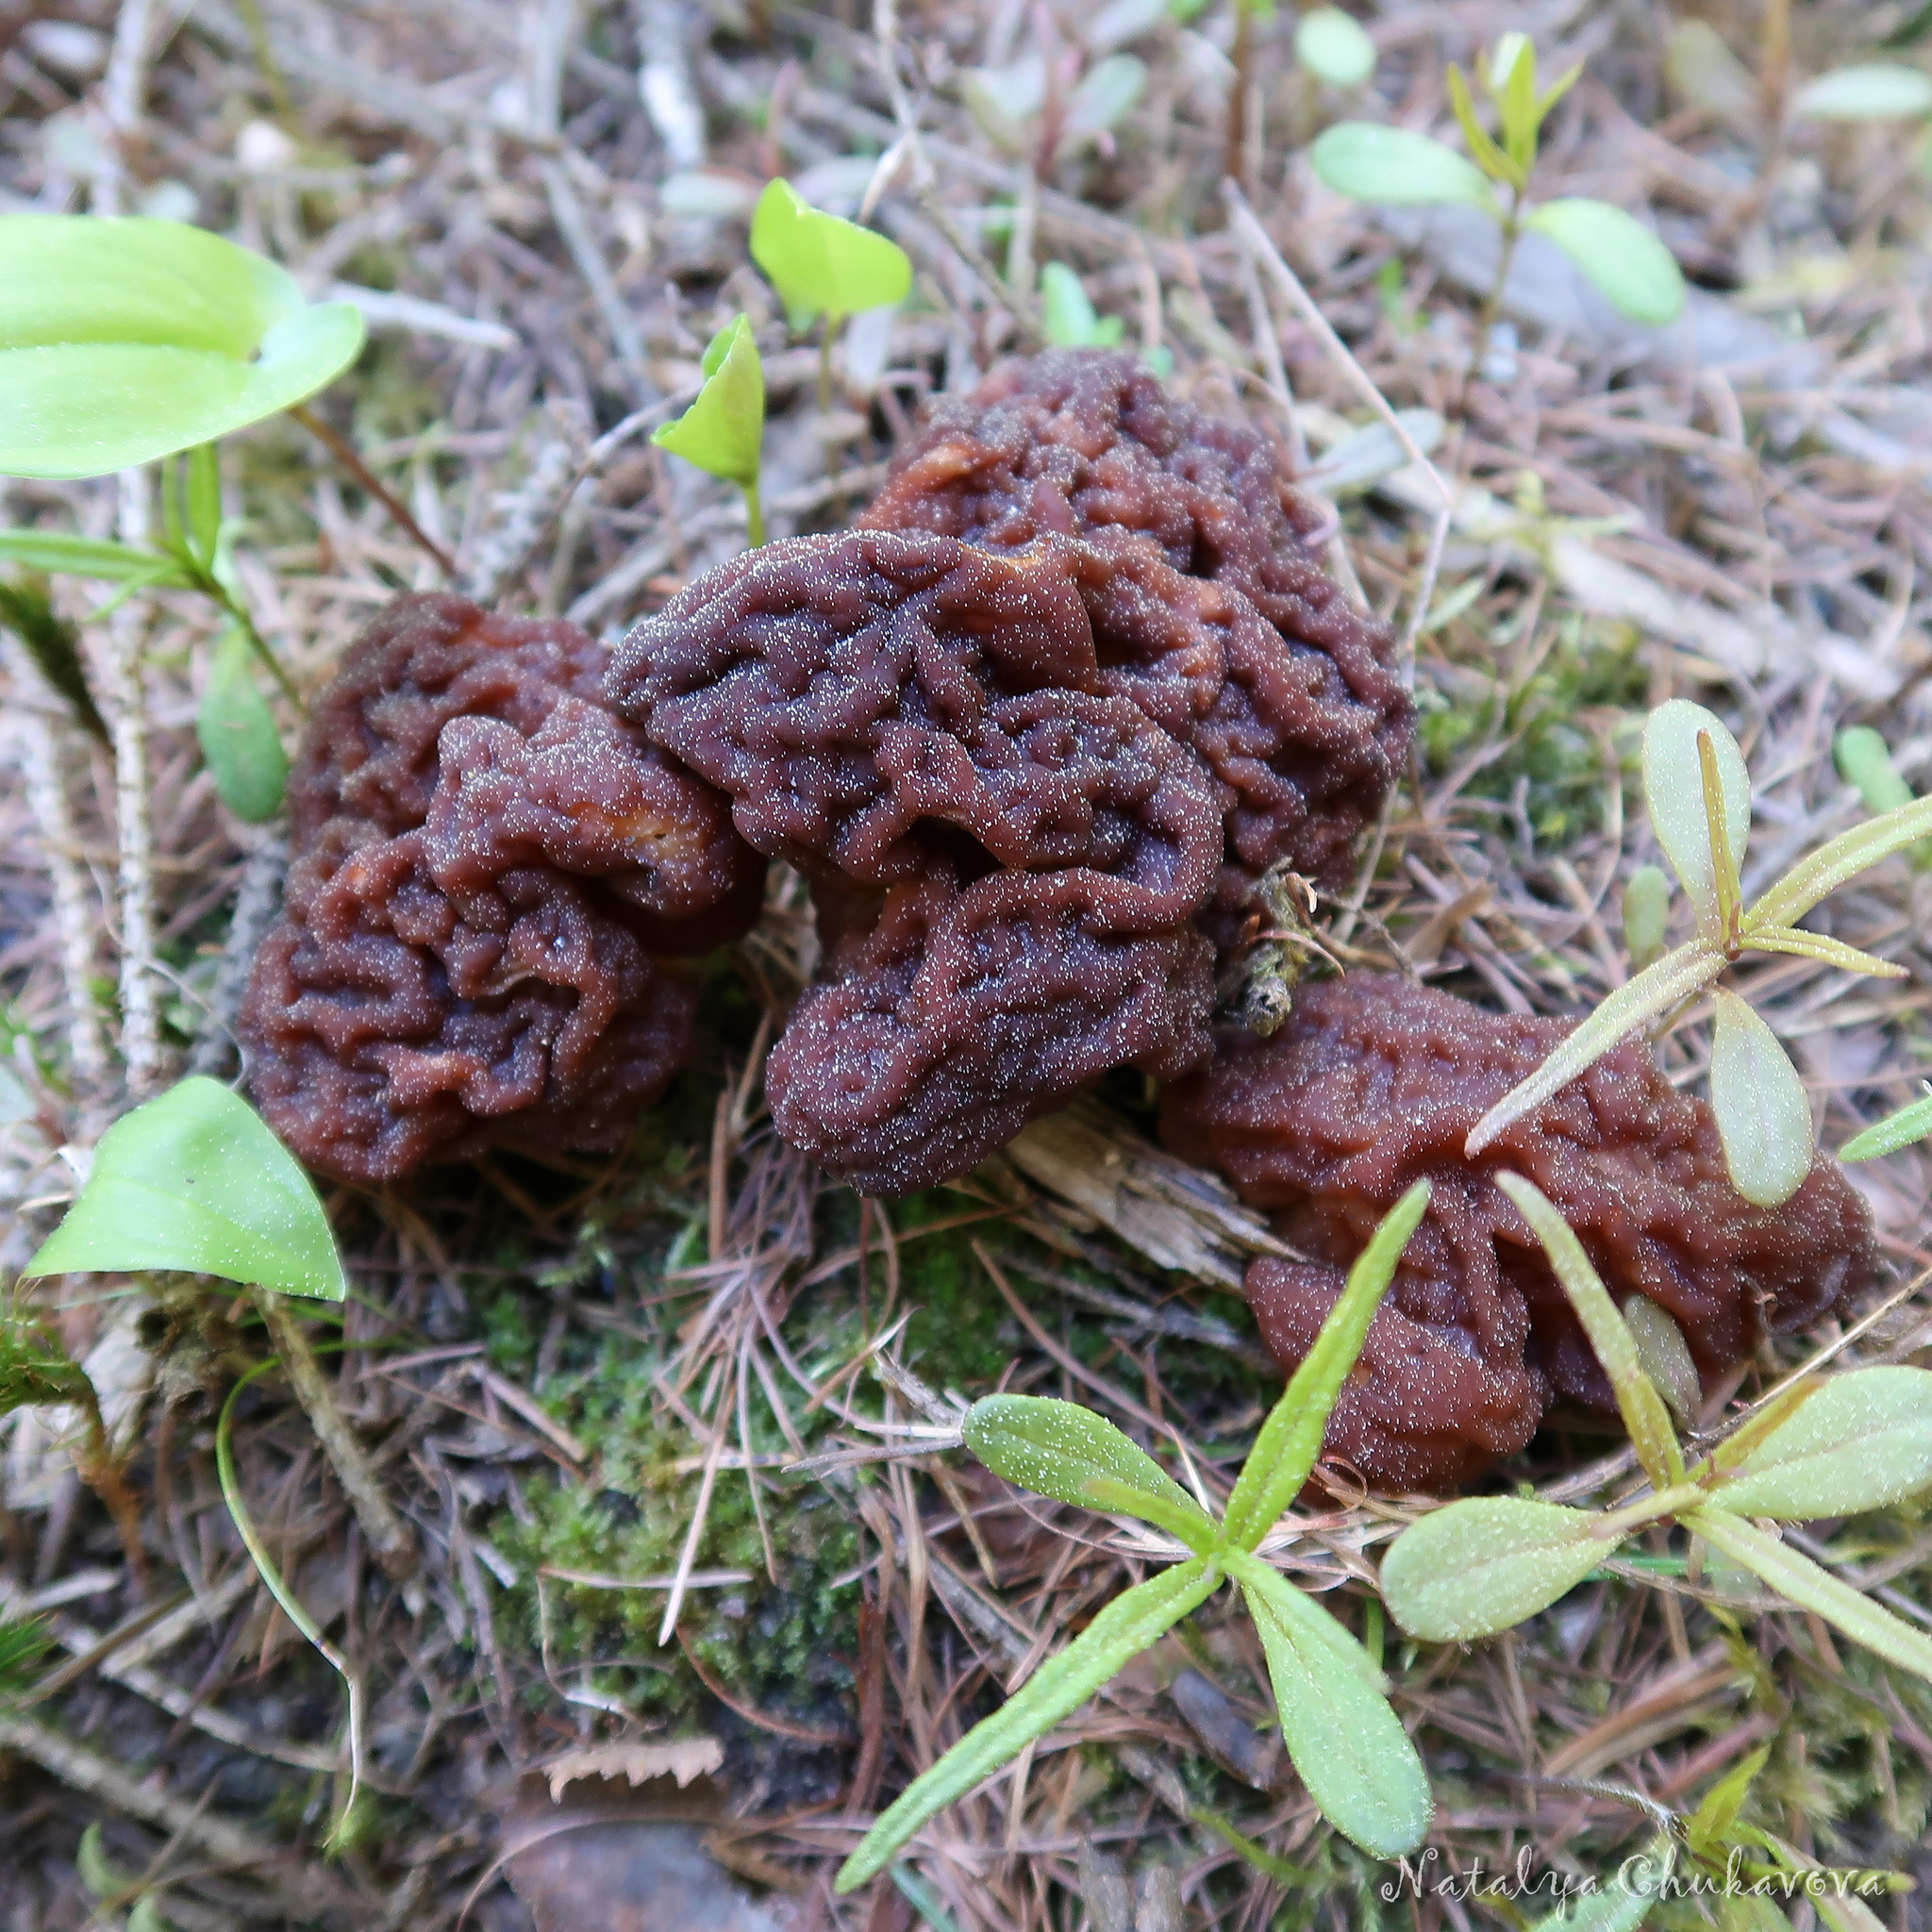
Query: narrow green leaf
[204, 501]
[194, 1181]
[54, 645]
[1819, 945]
[125, 339]
[1479, 1566]
[1062, 1450]
[87, 556]
[1655, 990]
[1763, 1117]
[1347, 1746]
[723, 431]
[1489, 157]
[1878, 91]
[1901, 1129]
[1838, 860]
[1290, 1438]
[1863, 1441]
[1370, 162]
[1618, 253]
[1665, 1357]
[24, 1642]
[1673, 790]
[1334, 46]
[1106, 94]
[1121, 1632]
[821, 264]
[238, 733]
[1709, 1825]
[1637, 1402]
[1625, 1901]
[1865, 761]
[1067, 317]
[1557, 89]
[1812, 1588]
[1516, 104]
[1646, 913]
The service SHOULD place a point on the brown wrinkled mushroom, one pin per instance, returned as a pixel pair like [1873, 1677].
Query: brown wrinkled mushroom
[1034, 745]
[1373, 1084]
[486, 863]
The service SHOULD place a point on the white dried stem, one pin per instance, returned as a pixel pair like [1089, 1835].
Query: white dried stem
[255, 900]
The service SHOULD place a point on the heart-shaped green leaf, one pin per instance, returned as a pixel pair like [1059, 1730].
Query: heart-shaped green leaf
[1290, 1438]
[1334, 46]
[1062, 1450]
[822, 264]
[1121, 1632]
[1861, 1440]
[1763, 1117]
[125, 339]
[238, 733]
[1673, 790]
[1347, 1746]
[1394, 165]
[194, 1181]
[1618, 253]
[91, 557]
[723, 431]
[1486, 1563]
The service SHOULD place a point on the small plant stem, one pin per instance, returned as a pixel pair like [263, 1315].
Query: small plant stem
[1652, 1508]
[100, 1469]
[826, 335]
[345, 453]
[390, 1541]
[1491, 309]
[754, 515]
[1237, 92]
[259, 645]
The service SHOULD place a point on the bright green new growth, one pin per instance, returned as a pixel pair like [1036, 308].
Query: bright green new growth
[1344, 1740]
[125, 339]
[194, 1181]
[1699, 794]
[822, 264]
[1067, 317]
[1822, 1447]
[723, 431]
[1617, 252]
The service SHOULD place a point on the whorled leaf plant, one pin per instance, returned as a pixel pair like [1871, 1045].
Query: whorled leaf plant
[1343, 1739]
[1699, 794]
[1830, 1445]
[1372, 162]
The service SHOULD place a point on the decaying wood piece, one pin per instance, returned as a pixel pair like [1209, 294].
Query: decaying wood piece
[1178, 1216]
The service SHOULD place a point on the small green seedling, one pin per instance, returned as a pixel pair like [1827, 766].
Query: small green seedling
[1865, 761]
[1334, 47]
[1344, 1740]
[1823, 1447]
[194, 1180]
[1699, 792]
[724, 429]
[1068, 318]
[1371, 162]
[113, 1888]
[122, 341]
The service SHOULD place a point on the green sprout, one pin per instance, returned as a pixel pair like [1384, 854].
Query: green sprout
[1818, 1446]
[1699, 794]
[723, 431]
[1068, 318]
[1347, 1744]
[1374, 163]
[824, 265]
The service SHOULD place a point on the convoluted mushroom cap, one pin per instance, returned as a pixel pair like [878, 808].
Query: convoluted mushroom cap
[1373, 1084]
[485, 862]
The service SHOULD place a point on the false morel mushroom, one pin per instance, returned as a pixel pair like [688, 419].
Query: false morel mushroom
[487, 866]
[1373, 1084]
[1035, 734]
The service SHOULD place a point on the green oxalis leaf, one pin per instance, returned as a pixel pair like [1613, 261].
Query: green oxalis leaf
[238, 740]
[124, 339]
[1345, 1742]
[194, 1180]
[723, 430]
[822, 264]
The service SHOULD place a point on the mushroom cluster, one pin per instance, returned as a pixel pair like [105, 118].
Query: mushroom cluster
[487, 866]
[1373, 1084]
[1034, 734]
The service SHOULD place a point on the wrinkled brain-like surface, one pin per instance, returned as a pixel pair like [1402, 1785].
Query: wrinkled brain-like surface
[1373, 1084]
[1033, 732]
[486, 863]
